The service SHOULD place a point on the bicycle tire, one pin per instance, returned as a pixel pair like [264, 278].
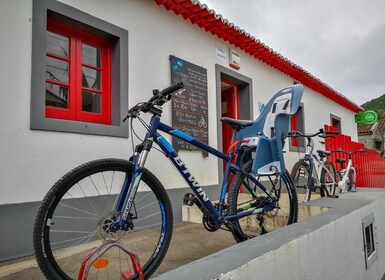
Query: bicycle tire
[285, 212]
[328, 183]
[300, 177]
[351, 185]
[337, 190]
[57, 232]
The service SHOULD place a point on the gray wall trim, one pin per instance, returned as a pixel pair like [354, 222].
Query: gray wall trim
[246, 98]
[42, 9]
[301, 141]
[16, 240]
[338, 119]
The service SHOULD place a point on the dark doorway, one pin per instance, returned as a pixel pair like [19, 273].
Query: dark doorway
[234, 100]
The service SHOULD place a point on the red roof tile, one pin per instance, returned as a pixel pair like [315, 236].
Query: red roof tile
[214, 23]
[364, 128]
[367, 128]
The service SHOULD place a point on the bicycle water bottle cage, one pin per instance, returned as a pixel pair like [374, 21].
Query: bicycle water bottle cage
[271, 128]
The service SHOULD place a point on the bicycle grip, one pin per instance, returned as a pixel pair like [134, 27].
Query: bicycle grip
[332, 132]
[171, 89]
[292, 134]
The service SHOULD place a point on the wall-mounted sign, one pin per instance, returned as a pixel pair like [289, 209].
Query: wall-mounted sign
[221, 54]
[235, 59]
[190, 108]
[366, 117]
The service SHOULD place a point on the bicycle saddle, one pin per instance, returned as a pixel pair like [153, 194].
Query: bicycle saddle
[340, 160]
[237, 124]
[323, 154]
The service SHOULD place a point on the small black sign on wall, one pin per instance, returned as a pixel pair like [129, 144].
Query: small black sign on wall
[190, 108]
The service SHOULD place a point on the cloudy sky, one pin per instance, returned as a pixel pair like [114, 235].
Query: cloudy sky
[341, 42]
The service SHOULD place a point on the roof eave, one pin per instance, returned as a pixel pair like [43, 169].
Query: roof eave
[199, 14]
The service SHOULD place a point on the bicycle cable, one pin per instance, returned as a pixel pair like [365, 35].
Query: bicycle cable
[136, 135]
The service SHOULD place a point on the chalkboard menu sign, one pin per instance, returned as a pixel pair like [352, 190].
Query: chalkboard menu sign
[189, 109]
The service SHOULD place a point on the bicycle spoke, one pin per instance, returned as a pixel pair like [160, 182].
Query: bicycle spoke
[77, 209]
[81, 213]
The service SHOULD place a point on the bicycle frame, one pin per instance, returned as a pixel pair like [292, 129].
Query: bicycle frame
[343, 182]
[345, 171]
[316, 170]
[124, 201]
[311, 157]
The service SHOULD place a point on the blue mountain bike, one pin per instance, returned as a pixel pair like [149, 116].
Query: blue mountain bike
[112, 218]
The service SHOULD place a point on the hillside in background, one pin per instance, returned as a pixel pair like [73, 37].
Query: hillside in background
[378, 105]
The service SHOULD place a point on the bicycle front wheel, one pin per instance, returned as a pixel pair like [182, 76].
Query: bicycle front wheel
[245, 194]
[300, 176]
[351, 184]
[328, 179]
[337, 190]
[75, 218]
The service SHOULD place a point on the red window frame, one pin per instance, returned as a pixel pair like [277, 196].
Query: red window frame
[74, 112]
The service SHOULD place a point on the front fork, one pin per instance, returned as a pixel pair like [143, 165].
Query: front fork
[130, 186]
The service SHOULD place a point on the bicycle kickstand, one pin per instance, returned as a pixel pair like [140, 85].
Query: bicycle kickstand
[95, 260]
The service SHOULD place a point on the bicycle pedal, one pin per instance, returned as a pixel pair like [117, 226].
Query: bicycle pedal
[189, 199]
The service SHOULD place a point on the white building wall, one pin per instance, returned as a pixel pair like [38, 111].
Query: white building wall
[31, 161]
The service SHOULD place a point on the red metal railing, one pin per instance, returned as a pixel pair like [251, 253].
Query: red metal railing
[370, 167]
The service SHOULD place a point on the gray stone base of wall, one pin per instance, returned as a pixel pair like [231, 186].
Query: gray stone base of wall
[17, 222]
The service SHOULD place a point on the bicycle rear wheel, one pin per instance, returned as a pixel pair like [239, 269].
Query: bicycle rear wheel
[351, 184]
[75, 217]
[300, 176]
[328, 179]
[240, 198]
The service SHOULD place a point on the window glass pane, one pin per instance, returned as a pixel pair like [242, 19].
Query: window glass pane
[56, 70]
[57, 44]
[91, 55]
[369, 240]
[90, 78]
[56, 96]
[91, 102]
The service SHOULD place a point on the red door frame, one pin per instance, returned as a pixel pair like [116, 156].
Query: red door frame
[231, 97]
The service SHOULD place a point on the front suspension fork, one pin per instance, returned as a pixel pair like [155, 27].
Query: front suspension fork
[125, 201]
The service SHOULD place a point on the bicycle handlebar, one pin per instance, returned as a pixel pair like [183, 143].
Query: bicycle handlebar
[158, 99]
[350, 153]
[171, 89]
[321, 133]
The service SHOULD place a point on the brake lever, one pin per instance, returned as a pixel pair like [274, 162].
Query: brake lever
[133, 112]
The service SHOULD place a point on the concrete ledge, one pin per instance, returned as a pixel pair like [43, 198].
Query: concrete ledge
[326, 246]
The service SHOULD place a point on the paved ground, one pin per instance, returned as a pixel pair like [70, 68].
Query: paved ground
[190, 242]
[186, 246]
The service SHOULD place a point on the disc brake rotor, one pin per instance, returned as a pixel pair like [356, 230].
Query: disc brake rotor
[106, 234]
